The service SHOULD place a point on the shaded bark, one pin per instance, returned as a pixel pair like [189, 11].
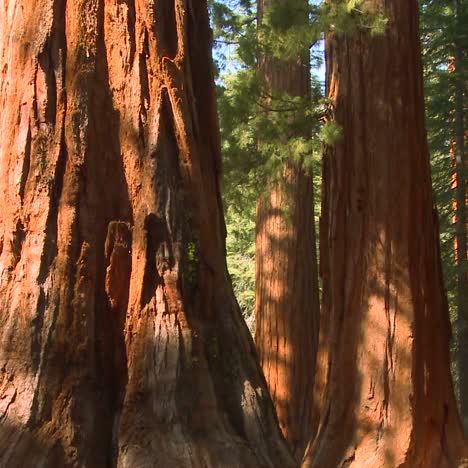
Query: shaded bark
[287, 296]
[387, 394]
[121, 343]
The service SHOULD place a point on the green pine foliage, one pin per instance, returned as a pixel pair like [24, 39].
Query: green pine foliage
[347, 16]
[249, 113]
[240, 249]
[259, 128]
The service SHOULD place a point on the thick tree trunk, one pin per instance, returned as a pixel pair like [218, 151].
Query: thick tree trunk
[121, 343]
[461, 224]
[287, 296]
[388, 398]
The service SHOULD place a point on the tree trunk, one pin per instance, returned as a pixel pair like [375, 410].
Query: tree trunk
[287, 295]
[461, 222]
[389, 397]
[121, 341]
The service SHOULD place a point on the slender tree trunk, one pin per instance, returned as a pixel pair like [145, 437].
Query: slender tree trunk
[389, 397]
[121, 343]
[287, 297]
[461, 223]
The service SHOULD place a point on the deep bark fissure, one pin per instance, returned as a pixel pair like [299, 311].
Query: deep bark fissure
[26, 164]
[168, 24]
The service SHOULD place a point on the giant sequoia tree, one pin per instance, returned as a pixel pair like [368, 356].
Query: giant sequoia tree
[121, 343]
[287, 296]
[388, 397]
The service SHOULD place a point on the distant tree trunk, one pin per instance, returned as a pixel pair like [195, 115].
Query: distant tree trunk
[389, 397]
[121, 343]
[461, 226]
[287, 295]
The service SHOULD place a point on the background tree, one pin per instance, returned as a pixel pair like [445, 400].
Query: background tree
[459, 58]
[121, 343]
[388, 399]
[287, 294]
[444, 41]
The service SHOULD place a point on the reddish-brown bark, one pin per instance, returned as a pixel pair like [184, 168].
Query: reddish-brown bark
[287, 295]
[387, 396]
[121, 343]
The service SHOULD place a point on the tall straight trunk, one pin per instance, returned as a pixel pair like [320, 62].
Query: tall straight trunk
[389, 398]
[121, 343]
[287, 297]
[461, 226]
